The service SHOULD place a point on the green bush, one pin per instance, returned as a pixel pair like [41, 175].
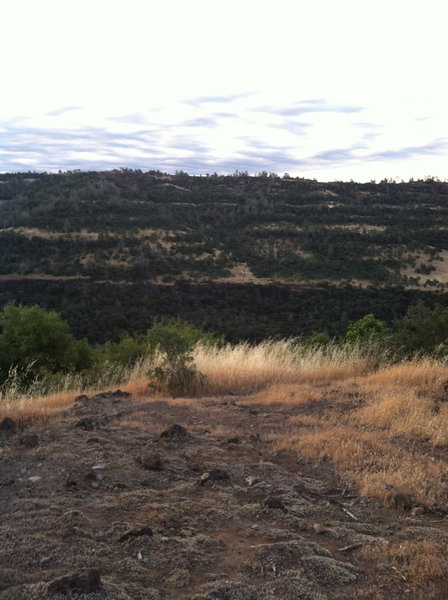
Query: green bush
[423, 329]
[367, 329]
[38, 343]
[173, 342]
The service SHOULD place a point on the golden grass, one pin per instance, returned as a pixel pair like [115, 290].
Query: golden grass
[365, 458]
[288, 394]
[28, 411]
[246, 369]
[417, 562]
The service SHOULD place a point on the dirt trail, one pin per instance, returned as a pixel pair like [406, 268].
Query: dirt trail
[207, 510]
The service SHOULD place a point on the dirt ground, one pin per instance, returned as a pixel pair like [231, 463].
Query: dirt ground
[127, 498]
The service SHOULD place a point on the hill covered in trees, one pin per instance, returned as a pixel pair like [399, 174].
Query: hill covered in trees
[248, 257]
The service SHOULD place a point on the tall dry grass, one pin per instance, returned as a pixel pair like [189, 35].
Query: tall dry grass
[42, 400]
[245, 368]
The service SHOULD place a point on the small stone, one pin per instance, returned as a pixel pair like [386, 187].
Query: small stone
[319, 528]
[417, 511]
[34, 478]
[274, 502]
[86, 424]
[233, 440]
[213, 475]
[253, 411]
[174, 432]
[45, 561]
[83, 582]
[250, 481]
[29, 441]
[8, 426]
[139, 531]
[81, 398]
[152, 462]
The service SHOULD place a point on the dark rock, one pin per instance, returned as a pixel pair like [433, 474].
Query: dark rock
[233, 440]
[253, 411]
[218, 475]
[81, 398]
[8, 426]
[30, 441]
[174, 432]
[139, 531]
[274, 502]
[83, 582]
[152, 462]
[111, 395]
[86, 424]
[45, 561]
[120, 394]
[213, 475]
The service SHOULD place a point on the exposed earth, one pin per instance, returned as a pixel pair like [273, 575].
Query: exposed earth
[177, 499]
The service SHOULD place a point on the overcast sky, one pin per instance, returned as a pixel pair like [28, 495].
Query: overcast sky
[327, 89]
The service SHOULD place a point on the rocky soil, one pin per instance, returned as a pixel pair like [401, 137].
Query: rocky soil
[125, 498]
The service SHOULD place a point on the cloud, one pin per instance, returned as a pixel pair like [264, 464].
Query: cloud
[308, 106]
[224, 99]
[436, 147]
[62, 111]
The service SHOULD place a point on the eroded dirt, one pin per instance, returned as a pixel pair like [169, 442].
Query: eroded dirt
[205, 511]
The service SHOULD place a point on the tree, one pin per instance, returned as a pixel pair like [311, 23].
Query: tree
[366, 328]
[38, 343]
[423, 329]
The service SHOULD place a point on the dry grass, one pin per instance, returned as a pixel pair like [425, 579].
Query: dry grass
[246, 369]
[418, 562]
[28, 411]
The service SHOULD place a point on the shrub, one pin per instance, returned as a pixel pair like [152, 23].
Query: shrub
[37, 343]
[367, 328]
[172, 343]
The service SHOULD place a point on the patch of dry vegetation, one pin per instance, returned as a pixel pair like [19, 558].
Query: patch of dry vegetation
[245, 369]
[418, 562]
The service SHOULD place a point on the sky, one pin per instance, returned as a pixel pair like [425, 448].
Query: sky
[322, 89]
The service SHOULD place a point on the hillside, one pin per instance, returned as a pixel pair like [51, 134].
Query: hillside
[305, 239]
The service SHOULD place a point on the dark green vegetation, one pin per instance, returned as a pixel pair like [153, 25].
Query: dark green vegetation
[244, 257]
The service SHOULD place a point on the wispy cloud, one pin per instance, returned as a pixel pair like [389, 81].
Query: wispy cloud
[62, 111]
[303, 107]
[436, 147]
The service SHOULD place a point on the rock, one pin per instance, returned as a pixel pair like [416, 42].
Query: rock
[274, 502]
[34, 478]
[111, 395]
[81, 398]
[8, 426]
[319, 528]
[250, 481]
[30, 441]
[233, 440]
[86, 424]
[214, 475]
[417, 511]
[82, 582]
[152, 462]
[139, 531]
[174, 433]
[45, 561]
